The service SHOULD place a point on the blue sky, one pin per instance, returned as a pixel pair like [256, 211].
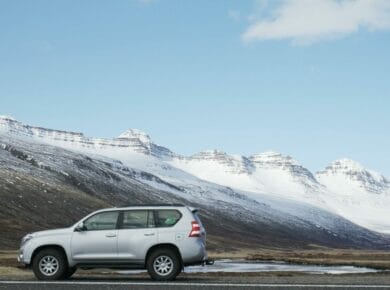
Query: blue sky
[240, 76]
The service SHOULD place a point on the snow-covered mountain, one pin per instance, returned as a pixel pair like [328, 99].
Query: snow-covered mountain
[131, 141]
[359, 194]
[268, 172]
[344, 174]
[344, 189]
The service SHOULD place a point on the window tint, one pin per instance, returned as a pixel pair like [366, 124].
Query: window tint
[137, 219]
[167, 217]
[102, 221]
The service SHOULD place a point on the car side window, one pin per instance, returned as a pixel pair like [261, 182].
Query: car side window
[102, 221]
[137, 219]
[167, 217]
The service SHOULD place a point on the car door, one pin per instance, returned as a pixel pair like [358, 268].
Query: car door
[97, 241]
[136, 234]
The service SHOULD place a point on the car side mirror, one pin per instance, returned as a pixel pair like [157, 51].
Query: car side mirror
[80, 227]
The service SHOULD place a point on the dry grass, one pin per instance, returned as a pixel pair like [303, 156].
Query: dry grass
[8, 259]
[15, 273]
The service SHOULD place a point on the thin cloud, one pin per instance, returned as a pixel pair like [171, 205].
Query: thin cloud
[309, 21]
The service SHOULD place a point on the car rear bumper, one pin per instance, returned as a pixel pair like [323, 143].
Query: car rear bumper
[195, 255]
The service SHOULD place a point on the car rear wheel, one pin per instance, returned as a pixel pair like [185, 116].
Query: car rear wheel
[50, 264]
[163, 264]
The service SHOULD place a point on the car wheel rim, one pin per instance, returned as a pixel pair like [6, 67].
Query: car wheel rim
[48, 265]
[163, 265]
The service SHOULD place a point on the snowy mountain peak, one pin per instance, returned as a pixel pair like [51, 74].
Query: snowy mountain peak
[346, 164]
[269, 153]
[207, 154]
[12, 126]
[6, 122]
[352, 171]
[135, 134]
[132, 140]
[232, 163]
[212, 165]
[272, 158]
[6, 118]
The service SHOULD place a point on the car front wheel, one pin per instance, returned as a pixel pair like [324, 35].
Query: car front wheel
[50, 264]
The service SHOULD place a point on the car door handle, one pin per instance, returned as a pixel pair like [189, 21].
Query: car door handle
[110, 235]
[148, 235]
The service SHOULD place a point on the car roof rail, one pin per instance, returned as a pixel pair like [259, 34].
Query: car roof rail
[152, 204]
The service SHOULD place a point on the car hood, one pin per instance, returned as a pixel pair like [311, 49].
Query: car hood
[52, 232]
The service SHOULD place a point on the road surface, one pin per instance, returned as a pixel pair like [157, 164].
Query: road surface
[209, 282]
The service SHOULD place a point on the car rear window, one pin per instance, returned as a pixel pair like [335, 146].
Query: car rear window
[166, 217]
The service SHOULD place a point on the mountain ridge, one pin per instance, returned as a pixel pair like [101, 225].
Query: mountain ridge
[344, 187]
[10, 124]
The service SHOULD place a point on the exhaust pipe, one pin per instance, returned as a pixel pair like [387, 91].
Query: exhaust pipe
[208, 262]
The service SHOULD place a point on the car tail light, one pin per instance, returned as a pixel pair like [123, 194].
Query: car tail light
[195, 231]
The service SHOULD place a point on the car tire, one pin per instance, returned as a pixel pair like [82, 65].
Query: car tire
[163, 264]
[50, 264]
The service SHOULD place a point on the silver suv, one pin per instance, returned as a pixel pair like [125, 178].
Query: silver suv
[160, 238]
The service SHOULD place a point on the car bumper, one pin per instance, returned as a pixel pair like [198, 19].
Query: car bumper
[197, 256]
[21, 259]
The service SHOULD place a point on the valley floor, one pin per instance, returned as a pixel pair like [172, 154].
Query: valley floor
[10, 270]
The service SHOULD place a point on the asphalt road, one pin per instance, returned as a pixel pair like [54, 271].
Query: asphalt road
[205, 282]
[168, 286]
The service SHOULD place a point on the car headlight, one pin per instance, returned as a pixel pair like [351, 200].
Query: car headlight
[26, 238]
